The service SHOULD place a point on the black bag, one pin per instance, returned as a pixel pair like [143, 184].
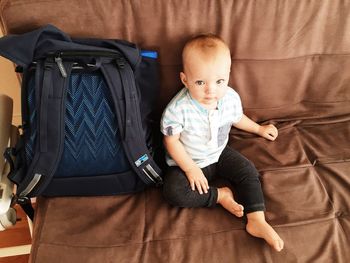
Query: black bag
[86, 109]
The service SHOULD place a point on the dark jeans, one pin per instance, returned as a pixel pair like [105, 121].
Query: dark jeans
[231, 165]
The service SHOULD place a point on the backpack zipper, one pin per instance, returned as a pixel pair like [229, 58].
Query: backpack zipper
[60, 65]
[72, 53]
[61, 54]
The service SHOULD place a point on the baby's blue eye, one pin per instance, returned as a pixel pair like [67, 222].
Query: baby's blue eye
[220, 81]
[199, 82]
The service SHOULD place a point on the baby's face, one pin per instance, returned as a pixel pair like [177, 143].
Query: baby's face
[207, 78]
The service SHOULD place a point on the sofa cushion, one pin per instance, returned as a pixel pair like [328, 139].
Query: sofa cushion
[290, 61]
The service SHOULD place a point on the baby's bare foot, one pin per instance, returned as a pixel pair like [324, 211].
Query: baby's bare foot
[226, 200]
[258, 227]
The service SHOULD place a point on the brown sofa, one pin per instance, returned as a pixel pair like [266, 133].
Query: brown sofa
[291, 62]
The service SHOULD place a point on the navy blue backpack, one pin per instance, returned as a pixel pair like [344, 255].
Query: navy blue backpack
[87, 115]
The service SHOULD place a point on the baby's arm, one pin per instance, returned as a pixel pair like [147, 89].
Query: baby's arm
[269, 131]
[194, 174]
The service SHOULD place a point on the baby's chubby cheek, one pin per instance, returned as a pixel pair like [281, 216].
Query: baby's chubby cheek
[222, 92]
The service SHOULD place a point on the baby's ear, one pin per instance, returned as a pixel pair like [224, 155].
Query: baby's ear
[183, 78]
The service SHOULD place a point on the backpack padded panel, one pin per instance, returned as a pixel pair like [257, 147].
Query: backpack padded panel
[91, 131]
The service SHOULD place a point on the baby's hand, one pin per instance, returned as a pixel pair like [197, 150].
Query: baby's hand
[269, 132]
[197, 180]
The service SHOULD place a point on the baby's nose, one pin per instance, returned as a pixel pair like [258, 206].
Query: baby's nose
[210, 88]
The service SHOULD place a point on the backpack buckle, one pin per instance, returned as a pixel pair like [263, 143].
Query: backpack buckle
[21, 200]
[120, 62]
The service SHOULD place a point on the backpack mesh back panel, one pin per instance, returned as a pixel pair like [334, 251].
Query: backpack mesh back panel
[91, 131]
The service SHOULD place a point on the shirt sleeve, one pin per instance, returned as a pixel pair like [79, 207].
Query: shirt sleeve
[237, 107]
[172, 121]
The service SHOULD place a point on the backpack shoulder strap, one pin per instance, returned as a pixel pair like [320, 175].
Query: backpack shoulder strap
[51, 85]
[121, 81]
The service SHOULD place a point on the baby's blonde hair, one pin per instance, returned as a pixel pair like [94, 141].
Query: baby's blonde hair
[208, 45]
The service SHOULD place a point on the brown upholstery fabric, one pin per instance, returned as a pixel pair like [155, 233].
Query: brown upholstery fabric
[290, 67]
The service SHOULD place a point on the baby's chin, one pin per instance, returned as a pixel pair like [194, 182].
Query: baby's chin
[209, 104]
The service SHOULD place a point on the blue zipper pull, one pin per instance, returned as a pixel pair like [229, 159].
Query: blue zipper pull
[149, 54]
